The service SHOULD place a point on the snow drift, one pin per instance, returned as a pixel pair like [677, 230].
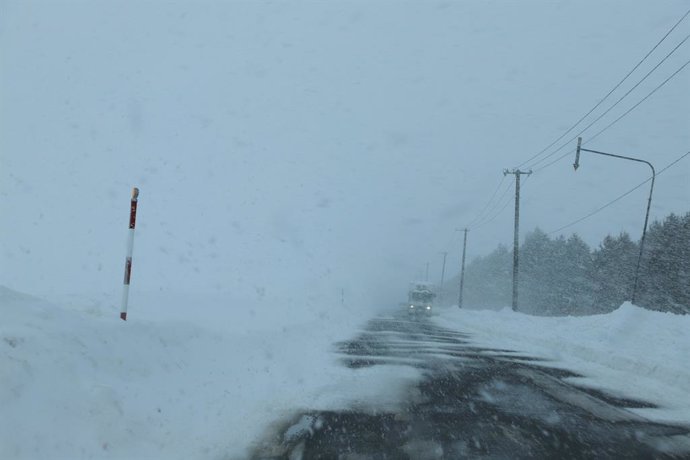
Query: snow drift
[631, 352]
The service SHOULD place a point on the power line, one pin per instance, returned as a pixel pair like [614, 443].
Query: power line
[497, 202]
[495, 215]
[609, 93]
[481, 213]
[488, 208]
[614, 121]
[500, 211]
[500, 202]
[486, 215]
[641, 101]
[569, 152]
[618, 101]
[618, 198]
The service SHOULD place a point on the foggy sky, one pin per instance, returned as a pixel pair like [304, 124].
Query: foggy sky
[312, 146]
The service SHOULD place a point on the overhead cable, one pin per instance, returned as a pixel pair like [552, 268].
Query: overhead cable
[503, 207]
[618, 101]
[490, 205]
[601, 208]
[616, 120]
[609, 93]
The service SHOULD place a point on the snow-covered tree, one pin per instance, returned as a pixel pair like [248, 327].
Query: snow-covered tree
[488, 280]
[665, 273]
[565, 277]
[576, 293]
[613, 272]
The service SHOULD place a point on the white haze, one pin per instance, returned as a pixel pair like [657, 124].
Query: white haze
[294, 149]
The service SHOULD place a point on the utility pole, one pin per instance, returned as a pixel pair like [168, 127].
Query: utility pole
[516, 236]
[462, 270]
[443, 275]
[427, 272]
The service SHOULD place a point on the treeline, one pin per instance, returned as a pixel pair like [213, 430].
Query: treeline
[564, 276]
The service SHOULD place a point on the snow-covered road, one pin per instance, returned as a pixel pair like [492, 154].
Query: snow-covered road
[76, 382]
[472, 402]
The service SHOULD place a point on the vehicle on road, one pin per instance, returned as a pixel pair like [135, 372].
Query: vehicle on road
[420, 299]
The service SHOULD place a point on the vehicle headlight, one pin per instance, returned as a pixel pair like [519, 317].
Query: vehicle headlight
[428, 308]
[411, 306]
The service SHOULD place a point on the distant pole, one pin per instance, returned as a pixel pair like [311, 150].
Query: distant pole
[443, 276]
[649, 201]
[130, 248]
[427, 272]
[342, 297]
[462, 270]
[516, 233]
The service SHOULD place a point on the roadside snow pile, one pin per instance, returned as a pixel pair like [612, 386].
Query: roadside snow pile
[83, 384]
[632, 352]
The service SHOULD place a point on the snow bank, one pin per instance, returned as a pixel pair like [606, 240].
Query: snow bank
[632, 352]
[80, 383]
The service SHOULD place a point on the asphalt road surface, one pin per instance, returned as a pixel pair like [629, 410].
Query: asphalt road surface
[471, 403]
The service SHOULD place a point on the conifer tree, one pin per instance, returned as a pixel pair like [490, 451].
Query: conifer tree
[665, 274]
[613, 271]
[565, 277]
[577, 261]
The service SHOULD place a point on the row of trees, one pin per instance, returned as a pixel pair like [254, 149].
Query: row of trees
[564, 276]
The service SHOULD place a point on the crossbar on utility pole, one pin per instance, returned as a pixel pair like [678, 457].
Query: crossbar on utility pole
[516, 233]
[462, 270]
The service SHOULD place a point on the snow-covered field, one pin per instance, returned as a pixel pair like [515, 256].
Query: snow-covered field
[194, 377]
[77, 382]
[632, 352]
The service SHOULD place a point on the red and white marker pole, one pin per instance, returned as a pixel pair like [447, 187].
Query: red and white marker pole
[130, 248]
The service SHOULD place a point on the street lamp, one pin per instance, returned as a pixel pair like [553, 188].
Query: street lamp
[649, 201]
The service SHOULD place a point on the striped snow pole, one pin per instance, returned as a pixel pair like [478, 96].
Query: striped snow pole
[130, 247]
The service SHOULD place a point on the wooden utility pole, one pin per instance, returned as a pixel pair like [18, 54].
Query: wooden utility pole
[516, 235]
[443, 275]
[462, 270]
